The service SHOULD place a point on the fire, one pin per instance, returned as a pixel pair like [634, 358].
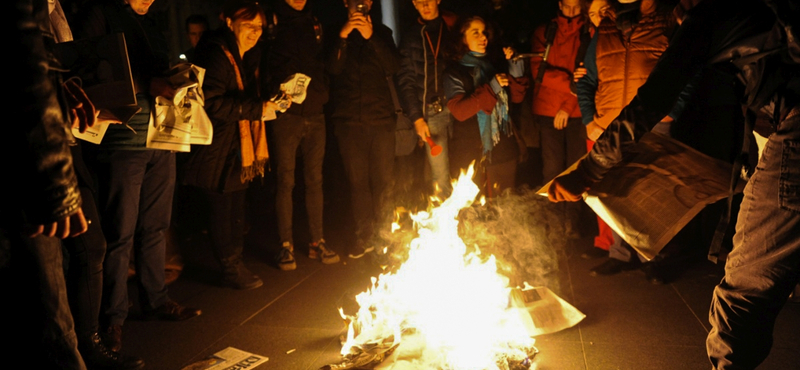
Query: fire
[447, 299]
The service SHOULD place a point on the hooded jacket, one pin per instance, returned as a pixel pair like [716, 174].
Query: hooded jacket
[554, 93]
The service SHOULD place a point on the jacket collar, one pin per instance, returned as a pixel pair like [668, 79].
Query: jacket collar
[569, 25]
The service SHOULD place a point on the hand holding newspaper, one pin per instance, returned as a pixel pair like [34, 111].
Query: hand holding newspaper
[648, 198]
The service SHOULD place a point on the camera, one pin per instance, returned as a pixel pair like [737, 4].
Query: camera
[359, 6]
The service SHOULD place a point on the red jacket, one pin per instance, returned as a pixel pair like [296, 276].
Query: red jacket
[554, 94]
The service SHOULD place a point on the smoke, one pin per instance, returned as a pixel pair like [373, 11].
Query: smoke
[521, 230]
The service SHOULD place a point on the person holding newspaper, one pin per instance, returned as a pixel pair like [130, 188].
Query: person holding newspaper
[238, 153]
[762, 269]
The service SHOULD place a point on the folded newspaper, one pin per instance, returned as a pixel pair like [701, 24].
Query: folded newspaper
[648, 198]
[182, 121]
[228, 359]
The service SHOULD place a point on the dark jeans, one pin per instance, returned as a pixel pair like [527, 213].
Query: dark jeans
[37, 320]
[368, 156]
[560, 149]
[137, 188]
[226, 223]
[85, 255]
[291, 132]
[762, 269]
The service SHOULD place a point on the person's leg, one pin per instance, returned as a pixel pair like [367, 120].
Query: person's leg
[120, 186]
[762, 268]
[553, 150]
[226, 230]
[288, 130]
[313, 149]
[155, 213]
[439, 126]
[381, 167]
[501, 176]
[354, 145]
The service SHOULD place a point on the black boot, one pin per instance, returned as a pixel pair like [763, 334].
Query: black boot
[98, 357]
[237, 276]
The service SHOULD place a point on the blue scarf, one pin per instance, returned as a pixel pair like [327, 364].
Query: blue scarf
[492, 124]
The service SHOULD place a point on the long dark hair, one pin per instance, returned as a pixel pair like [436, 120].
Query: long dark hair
[459, 44]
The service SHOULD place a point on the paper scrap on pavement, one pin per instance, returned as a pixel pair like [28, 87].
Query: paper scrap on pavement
[228, 359]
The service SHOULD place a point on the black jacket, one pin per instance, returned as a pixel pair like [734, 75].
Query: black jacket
[217, 167]
[298, 48]
[414, 49]
[41, 185]
[715, 30]
[359, 68]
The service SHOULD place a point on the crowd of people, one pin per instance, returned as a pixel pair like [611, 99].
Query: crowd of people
[594, 78]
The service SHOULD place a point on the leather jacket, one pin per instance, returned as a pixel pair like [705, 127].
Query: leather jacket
[36, 156]
[714, 30]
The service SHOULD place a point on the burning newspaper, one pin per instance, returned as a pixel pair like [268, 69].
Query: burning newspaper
[447, 306]
[652, 195]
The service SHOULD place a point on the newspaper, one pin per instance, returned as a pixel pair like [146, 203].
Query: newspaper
[181, 121]
[229, 359]
[656, 191]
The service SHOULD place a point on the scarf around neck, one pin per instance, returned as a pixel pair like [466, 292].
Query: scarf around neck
[497, 121]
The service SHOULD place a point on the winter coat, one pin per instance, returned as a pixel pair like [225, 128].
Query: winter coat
[713, 34]
[414, 49]
[554, 93]
[218, 166]
[625, 60]
[359, 68]
[465, 100]
[298, 48]
[37, 164]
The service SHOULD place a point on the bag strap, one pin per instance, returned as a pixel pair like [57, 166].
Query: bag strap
[741, 162]
[392, 90]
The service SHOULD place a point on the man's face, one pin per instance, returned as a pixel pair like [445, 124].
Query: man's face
[297, 4]
[597, 11]
[140, 6]
[428, 9]
[570, 8]
[195, 31]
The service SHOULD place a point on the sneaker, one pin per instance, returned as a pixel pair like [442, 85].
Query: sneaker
[286, 260]
[320, 250]
[614, 266]
[172, 311]
[359, 251]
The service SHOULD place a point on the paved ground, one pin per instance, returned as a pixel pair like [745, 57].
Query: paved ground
[630, 323]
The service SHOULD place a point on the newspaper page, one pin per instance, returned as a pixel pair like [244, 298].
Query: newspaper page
[181, 121]
[656, 191]
[229, 359]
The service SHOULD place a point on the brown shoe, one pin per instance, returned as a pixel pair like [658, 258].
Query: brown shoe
[172, 311]
[112, 338]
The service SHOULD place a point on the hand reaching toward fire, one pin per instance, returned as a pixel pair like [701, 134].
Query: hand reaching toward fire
[568, 188]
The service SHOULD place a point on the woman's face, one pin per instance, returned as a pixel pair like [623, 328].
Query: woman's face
[475, 37]
[247, 32]
[597, 11]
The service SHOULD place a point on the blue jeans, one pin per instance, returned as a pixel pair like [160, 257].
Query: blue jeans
[136, 188]
[440, 126]
[762, 269]
[291, 132]
[35, 290]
